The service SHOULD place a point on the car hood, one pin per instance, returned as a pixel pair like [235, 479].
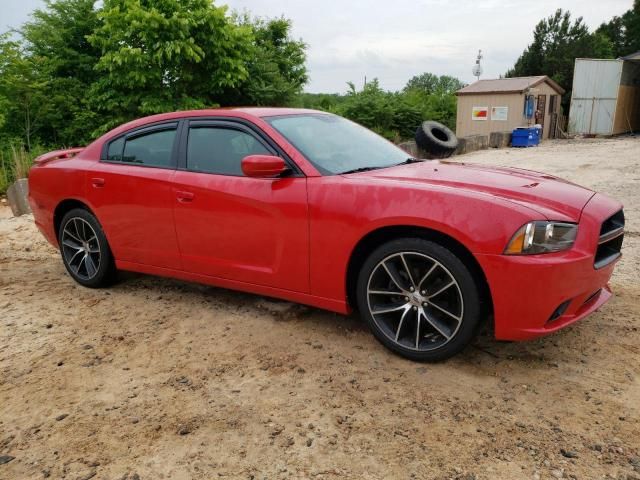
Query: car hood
[548, 195]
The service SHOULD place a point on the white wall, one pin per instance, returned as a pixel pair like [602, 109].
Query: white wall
[594, 96]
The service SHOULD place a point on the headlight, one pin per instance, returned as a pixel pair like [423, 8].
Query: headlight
[542, 237]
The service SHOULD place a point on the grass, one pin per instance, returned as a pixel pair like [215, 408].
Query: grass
[15, 163]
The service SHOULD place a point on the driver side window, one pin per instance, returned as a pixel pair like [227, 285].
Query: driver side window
[220, 150]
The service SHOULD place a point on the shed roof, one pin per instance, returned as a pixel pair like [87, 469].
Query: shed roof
[633, 56]
[507, 85]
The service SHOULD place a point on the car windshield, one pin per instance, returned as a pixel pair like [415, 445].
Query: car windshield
[335, 145]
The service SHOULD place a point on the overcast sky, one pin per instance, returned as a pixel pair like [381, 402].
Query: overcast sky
[396, 39]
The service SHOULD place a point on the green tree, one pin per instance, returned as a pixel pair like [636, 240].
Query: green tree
[429, 83]
[275, 63]
[21, 91]
[557, 42]
[56, 44]
[624, 32]
[163, 55]
[387, 113]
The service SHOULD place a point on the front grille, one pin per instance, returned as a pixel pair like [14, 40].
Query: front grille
[610, 241]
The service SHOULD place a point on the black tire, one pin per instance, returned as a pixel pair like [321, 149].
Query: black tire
[84, 249]
[461, 300]
[436, 139]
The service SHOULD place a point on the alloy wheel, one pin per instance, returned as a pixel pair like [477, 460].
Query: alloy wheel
[80, 248]
[415, 301]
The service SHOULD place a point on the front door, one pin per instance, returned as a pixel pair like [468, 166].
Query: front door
[253, 230]
[131, 192]
[541, 112]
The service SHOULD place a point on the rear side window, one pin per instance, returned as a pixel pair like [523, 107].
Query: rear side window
[152, 149]
[221, 150]
[114, 154]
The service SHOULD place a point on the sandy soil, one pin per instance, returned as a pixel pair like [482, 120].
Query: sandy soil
[156, 378]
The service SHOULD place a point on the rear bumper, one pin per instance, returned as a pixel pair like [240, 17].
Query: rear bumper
[528, 290]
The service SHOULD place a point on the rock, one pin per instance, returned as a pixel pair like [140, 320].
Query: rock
[309, 442]
[61, 417]
[472, 143]
[135, 420]
[17, 196]
[88, 475]
[568, 453]
[410, 147]
[499, 139]
[557, 473]
[184, 430]
[6, 459]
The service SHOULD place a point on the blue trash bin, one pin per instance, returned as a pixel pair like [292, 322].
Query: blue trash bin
[525, 137]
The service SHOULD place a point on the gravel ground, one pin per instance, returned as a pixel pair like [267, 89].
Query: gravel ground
[161, 379]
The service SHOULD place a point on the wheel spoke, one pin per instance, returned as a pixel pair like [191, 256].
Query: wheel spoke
[451, 283]
[431, 304]
[74, 257]
[72, 236]
[418, 315]
[426, 275]
[407, 310]
[406, 267]
[389, 310]
[70, 244]
[89, 265]
[434, 323]
[394, 274]
[384, 292]
[78, 232]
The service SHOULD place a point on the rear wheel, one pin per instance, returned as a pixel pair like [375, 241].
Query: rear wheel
[85, 250]
[419, 299]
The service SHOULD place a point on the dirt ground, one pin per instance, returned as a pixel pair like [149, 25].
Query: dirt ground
[161, 379]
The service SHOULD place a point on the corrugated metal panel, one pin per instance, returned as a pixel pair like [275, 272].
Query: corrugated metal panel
[592, 116]
[594, 96]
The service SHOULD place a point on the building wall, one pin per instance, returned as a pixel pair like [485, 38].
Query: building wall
[627, 117]
[465, 125]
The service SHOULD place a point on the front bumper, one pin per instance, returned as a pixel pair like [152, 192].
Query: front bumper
[527, 290]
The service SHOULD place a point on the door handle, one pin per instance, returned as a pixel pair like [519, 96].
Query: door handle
[97, 182]
[184, 197]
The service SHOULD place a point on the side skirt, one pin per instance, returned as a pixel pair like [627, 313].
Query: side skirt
[297, 297]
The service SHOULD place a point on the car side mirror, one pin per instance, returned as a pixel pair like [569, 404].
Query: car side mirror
[263, 166]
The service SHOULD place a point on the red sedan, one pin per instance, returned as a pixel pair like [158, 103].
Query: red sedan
[310, 207]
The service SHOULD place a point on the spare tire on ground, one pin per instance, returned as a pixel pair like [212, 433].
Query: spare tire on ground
[436, 140]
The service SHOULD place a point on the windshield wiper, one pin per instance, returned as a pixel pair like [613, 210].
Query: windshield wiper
[360, 169]
[366, 169]
[409, 160]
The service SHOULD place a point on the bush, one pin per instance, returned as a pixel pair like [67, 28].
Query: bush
[15, 163]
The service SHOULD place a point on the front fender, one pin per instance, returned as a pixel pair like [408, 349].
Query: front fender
[344, 211]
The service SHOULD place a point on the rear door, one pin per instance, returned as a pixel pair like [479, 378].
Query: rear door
[253, 230]
[131, 191]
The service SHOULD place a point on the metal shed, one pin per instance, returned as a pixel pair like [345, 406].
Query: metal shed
[499, 105]
[606, 96]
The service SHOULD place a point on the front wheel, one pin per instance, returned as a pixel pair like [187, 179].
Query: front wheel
[419, 299]
[85, 250]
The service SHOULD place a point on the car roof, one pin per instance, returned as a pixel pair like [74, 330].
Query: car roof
[235, 112]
